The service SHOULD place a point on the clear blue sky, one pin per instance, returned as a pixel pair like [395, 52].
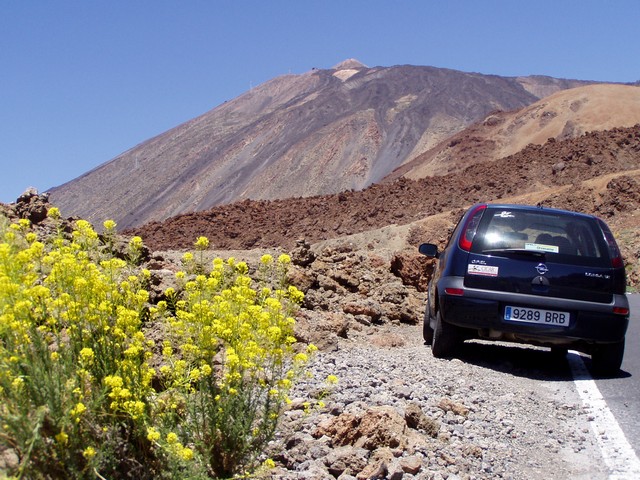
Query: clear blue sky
[83, 81]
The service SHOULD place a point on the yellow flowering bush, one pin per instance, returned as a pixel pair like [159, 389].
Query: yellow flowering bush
[69, 321]
[77, 396]
[229, 360]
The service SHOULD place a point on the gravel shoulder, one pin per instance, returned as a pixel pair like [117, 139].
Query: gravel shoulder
[502, 411]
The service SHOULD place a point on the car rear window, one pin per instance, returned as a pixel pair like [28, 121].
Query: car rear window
[562, 237]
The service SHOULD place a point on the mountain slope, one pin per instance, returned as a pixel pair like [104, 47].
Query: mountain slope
[321, 132]
[553, 171]
[565, 114]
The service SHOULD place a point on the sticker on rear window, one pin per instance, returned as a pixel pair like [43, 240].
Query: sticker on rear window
[504, 214]
[541, 247]
[487, 270]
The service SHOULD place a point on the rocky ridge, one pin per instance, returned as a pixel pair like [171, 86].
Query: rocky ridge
[598, 172]
[549, 168]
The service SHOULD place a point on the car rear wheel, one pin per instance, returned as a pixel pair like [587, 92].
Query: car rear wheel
[445, 338]
[606, 359]
[427, 331]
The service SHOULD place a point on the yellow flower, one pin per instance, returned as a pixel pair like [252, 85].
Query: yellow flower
[202, 243]
[89, 453]
[295, 295]
[186, 454]
[285, 383]
[274, 332]
[331, 379]
[78, 410]
[86, 355]
[172, 438]
[134, 408]
[109, 225]
[62, 438]
[113, 381]
[268, 463]
[217, 263]
[54, 213]
[136, 242]
[266, 259]
[152, 434]
[284, 259]
[300, 358]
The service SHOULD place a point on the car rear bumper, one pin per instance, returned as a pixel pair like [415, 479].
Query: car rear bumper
[483, 311]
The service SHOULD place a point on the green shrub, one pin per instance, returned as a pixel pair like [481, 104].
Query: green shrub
[79, 397]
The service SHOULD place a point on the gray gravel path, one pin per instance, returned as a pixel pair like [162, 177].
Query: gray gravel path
[518, 415]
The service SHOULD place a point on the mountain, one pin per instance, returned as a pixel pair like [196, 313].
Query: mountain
[321, 132]
[562, 115]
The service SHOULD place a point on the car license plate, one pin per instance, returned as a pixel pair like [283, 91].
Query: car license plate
[536, 315]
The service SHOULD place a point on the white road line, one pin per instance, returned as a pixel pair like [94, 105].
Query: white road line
[616, 450]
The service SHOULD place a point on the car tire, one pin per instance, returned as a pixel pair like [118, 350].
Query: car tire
[427, 331]
[445, 338]
[606, 359]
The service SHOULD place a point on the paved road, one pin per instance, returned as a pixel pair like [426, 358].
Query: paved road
[622, 394]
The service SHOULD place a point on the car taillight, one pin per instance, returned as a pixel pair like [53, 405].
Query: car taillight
[614, 251]
[470, 227]
[454, 291]
[620, 311]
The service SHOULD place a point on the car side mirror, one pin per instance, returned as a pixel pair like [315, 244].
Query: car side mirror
[429, 249]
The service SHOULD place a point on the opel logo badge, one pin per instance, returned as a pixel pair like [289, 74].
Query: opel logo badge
[542, 269]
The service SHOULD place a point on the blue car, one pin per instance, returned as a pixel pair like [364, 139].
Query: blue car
[529, 274]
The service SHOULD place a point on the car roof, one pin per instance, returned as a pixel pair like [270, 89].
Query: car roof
[533, 208]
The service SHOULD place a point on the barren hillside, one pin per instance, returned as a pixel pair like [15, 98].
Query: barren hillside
[321, 132]
[565, 114]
